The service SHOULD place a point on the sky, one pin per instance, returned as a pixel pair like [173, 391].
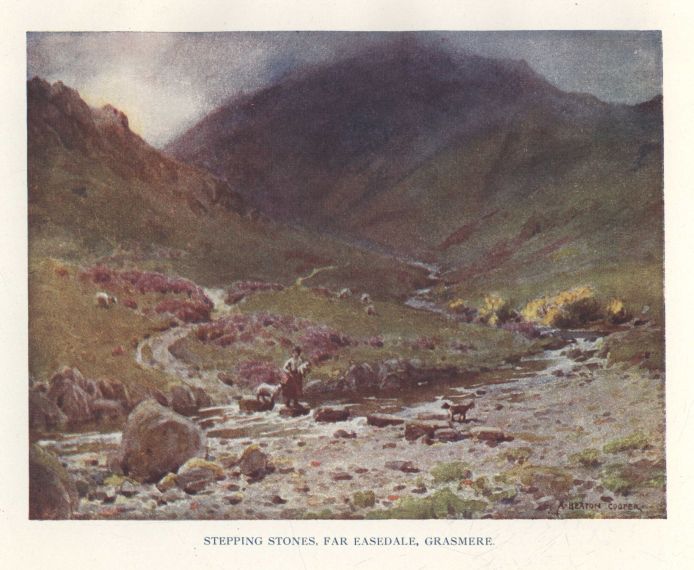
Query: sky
[165, 82]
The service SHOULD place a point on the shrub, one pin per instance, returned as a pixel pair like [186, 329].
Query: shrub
[447, 472]
[617, 312]
[587, 458]
[440, 505]
[495, 310]
[571, 308]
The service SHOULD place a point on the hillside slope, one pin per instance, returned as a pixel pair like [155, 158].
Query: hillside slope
[98, 192]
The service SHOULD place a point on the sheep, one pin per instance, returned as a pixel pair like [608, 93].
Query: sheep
[458, 410]
[268, 393]
[345, 293]
[104, 300]
[370, 310]
[365, 298]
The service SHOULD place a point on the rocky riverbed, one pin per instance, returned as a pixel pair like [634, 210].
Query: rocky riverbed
[558, 435]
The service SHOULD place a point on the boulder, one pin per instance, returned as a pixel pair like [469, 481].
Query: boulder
[486, 433]
[331, 414]
[253, 462]
[115, 390]
[183, 400]
[52, 492]
[361, 378]
[404, 466]
[197, 473]
[294, 412]
[450, 435]
[415, 430]
[107, 410]
[202, 398]
[157, 440]
[168, 481]
[381, 420]
[44, 414]
[73, 401]
[344, 434]
[252, 405]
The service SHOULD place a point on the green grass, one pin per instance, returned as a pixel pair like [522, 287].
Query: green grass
[589, 457]
[448, 472]
[633, 442]
[440, 505]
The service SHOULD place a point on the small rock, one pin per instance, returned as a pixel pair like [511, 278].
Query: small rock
[404, 466]
[127, 489]
[331, 414]
[420, 490]
[486, 433]
[361, 470]
[341, 476]
[254, 462]
[391, 445]
[499, 407]
[277, 500]
[83, 487]
[381, 420]
[606, 498]
[341, 433]
[167, 482]
[234, 498]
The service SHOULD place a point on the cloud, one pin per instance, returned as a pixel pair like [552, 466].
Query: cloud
[165, 82]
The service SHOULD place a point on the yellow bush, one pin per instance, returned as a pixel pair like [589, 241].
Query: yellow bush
[572, 307]
[617, 312]
[495, 310]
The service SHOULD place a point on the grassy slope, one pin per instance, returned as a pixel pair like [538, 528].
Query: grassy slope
[66, 328]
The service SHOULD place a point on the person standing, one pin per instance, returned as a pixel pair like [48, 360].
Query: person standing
[293, 378]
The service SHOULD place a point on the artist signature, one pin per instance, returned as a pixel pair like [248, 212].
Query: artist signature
[599, 506]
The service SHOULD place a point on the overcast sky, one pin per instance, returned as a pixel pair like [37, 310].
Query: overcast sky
[165, 82]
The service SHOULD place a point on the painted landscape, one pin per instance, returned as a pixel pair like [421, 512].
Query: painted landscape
[469, 256]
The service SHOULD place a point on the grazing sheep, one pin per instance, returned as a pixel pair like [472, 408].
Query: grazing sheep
[458, 410]
[365, 298]
[268, 393]
[345, 293]
[370, 310]
[104, 300]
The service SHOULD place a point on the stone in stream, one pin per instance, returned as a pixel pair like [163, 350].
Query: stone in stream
[128, 489]
[294, 412]
[450, 435]
[254, 462]
[115, 390]
[341, 476]
[157, 440]
[107, 410]
[415, 430]
[216, 412]
[341, 433]
[249, 405]
[167, 482]
[183, 400]
[404, 466]
[331, 414]
[487, 433]
[382, 420]
[52, 491]
[196, 473]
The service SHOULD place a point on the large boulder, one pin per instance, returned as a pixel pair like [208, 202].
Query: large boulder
[52, 492]
[157, 440]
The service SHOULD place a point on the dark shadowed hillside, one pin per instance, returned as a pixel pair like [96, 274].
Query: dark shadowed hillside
[477, 164]
[97, 191]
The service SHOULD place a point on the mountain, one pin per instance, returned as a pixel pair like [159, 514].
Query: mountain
[477, 164]
[98, 192]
